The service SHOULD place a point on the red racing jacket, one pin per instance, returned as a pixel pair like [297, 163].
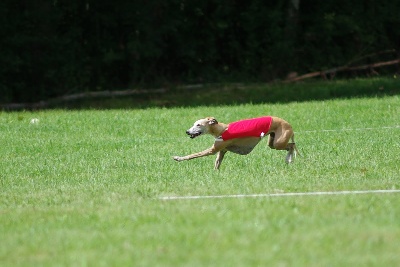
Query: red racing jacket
[257, 127]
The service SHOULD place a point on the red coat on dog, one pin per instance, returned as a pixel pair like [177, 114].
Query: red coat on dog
[257, 127]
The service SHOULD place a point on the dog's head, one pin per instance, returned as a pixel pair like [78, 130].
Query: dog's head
[201, 126]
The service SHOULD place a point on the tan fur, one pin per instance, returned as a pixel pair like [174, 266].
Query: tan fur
[280, 129]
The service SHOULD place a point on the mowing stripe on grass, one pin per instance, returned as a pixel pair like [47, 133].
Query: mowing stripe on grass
[356, 192]
[396, 127]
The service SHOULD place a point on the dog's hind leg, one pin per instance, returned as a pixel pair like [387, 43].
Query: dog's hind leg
[292, 150]
[294, 145]
[218, 160]
[280, 141]
[271, 139]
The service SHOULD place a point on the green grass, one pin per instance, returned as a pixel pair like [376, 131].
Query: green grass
[81, 188]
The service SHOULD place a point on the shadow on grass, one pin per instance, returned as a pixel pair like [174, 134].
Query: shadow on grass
[229, 94]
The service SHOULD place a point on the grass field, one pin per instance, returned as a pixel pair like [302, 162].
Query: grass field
[82, 188]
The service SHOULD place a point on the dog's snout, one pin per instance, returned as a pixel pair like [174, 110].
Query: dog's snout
[187, 132]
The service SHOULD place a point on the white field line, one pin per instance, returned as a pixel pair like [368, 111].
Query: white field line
[351, 129]
[356, 192]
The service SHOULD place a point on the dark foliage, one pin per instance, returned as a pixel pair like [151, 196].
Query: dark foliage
[52, 48]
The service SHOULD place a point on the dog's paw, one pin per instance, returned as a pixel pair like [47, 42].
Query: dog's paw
[177, 158]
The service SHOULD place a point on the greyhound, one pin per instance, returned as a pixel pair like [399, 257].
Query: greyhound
[242, 136]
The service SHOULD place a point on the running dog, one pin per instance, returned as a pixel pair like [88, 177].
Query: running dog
[242, 136]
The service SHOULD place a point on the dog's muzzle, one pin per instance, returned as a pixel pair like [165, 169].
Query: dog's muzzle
[193, 135]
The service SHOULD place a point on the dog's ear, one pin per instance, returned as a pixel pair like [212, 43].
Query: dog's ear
[212, 121]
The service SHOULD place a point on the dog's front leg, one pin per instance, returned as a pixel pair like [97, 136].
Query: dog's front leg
[220, 157]
[207, 152]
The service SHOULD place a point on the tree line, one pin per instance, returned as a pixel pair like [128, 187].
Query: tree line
[58, 47]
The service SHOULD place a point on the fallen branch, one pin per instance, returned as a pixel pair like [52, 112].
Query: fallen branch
[343, 68]
[376, 65]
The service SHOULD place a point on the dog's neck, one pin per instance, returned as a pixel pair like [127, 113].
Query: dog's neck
[217, 129]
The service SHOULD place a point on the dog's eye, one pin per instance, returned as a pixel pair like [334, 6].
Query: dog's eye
[198, 125]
